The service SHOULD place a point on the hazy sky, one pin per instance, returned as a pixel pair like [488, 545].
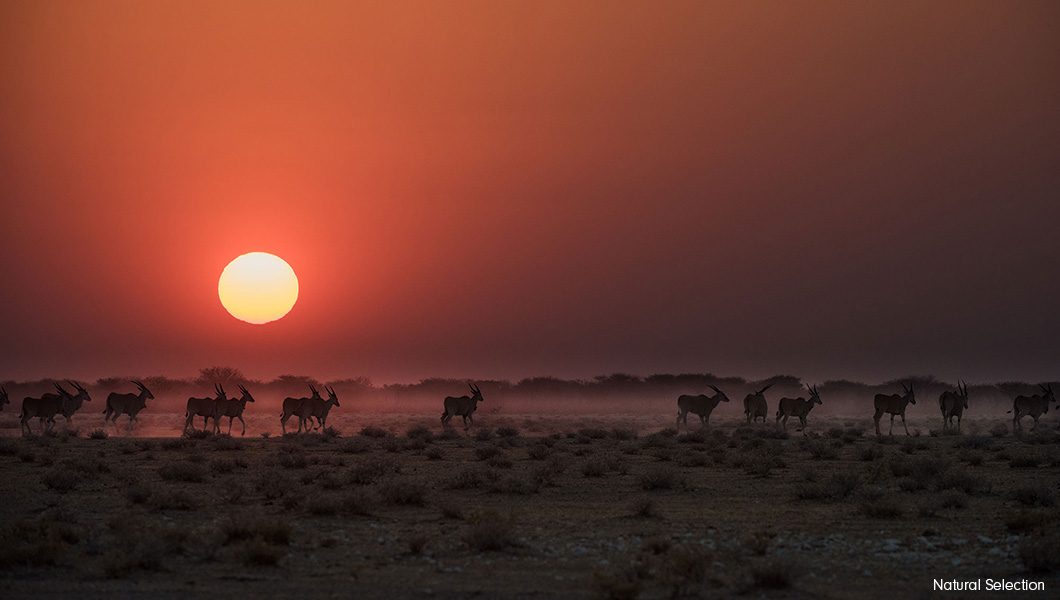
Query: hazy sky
[841, 189]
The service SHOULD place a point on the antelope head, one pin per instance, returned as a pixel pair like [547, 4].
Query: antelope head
[720, 393]
[962, 391]
[80, 390]
[316, 394]
[220, 389]
[815, 398]
[763, 390]
[246, 395]
[1047, 393]
[909, 392]
[3, 397]
[332, 397]
[476, 393]
[146, 392]
[62, 391]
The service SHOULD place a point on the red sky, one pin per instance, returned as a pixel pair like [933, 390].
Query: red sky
[843, 189]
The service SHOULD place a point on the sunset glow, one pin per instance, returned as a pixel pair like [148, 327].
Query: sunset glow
[258, 288]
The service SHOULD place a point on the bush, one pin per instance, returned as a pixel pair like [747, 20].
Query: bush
[489, 530]
[822, 450]
[420, 433]
[643, 507]
[1030, 519]
[486, 452]
[507, 432]
[538, 451]
[684, 569]
[1023, 460]
[269, 530]
[448, 434]
[260, 554]
[593, 468]
[514, 484]
[451, 509]
[227, 443]
[884, 507]
[661, 479]
[61, 480]
[617, 584]
[404, 492]
[356, 445]
[484, 435]
[836, 487]
[623, 435]
[776, 573]
[470, 478]
[183, 471]
[173, 500]
[870, 453]
[433, 453]
[174, 443]
[375, 432]
[323, 505]
[1038, 493]
[292, 460]
[358, 502]
[371, 470]
[97, 434]
[138, 494]
[1041, 552]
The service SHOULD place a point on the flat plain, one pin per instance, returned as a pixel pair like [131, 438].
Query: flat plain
[579, 506]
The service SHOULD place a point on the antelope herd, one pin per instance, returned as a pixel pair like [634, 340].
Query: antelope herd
[45, 408]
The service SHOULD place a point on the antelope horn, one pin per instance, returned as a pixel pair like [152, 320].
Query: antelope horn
[764, 389]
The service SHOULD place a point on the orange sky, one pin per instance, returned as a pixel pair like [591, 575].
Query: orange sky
[492, 189]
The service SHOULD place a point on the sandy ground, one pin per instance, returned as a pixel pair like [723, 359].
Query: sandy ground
[580, 506]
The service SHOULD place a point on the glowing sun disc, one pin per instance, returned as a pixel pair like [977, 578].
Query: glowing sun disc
[258, 288]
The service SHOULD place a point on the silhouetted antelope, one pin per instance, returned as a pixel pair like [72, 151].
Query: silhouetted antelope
[44, 408]
[754, 405]
[233, 409]
[298, 407]
[798, 407]
[69, 404]
[701, 405]
[126, 404]
[1035, 406]
[205, 408]
[319, 409]
[3, 398]
[893, 404]
[952, 404]
[462, 407]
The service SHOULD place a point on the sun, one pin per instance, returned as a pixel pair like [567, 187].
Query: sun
[258, 288]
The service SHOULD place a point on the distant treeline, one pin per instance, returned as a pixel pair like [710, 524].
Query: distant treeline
[626, 393]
